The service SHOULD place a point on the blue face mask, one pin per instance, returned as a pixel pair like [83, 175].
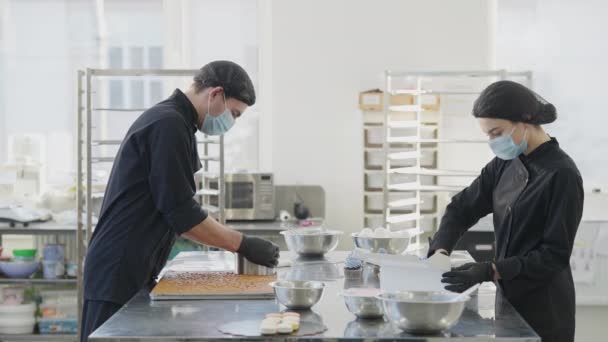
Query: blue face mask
[217, 125]
[505, 148]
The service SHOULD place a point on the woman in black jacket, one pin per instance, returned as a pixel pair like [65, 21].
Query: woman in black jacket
[535, 193]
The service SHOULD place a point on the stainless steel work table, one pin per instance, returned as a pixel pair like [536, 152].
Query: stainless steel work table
[484, 319]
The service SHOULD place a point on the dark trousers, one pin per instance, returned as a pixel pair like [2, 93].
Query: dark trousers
[94, 314]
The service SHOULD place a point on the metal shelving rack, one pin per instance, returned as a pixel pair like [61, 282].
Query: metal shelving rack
[86, 161]
[418, 144]
[51, 229]
[38, 229]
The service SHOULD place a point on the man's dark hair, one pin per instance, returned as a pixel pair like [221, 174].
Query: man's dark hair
[228, 75]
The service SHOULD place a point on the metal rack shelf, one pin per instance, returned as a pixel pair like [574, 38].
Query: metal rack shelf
[37, 229]
[408, 130]
[140, 110]
[414, 140]
[432, 172]
[40, 281]
[38, 337]
[425, 188]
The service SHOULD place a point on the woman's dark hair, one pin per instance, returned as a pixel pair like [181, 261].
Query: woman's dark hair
[228, 75]
[512, 101]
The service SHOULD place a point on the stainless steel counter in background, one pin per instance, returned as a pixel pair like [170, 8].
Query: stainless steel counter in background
[487, 317]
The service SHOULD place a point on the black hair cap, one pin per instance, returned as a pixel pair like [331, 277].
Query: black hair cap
[228, 75]
[512, 101]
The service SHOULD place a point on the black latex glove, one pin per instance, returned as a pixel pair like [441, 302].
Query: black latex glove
[259, 251]
[467, 275]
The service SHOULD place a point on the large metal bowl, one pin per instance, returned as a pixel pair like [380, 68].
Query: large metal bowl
[298, 295]
[362, 306]
[312, 242]
[422, 312]
[392, 245]
[246, 267]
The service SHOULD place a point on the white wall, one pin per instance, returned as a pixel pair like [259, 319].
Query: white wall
[324, 52]
[563, 43]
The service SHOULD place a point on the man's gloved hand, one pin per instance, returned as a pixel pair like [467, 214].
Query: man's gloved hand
[259, 251]
[467, 275]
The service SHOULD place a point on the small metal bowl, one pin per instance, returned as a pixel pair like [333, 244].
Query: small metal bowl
[363, 306]
[298, 295]
[312, 242]
[422, 312]
[392, 245]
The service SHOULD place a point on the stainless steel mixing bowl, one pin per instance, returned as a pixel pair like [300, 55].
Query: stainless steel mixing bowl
[311, 242]
[392, 245]
[298, 295]
[365, 307]
[422, 312]
[246, 267]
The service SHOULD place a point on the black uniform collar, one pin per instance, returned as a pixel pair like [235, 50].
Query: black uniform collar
[186, 108]
[540, 150]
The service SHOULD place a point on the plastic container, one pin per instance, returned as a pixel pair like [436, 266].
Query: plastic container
[53, 269]
[59, 310]
[21, 311]
[53, 252]
[49, 326]
[59, 297]
[13, 269]
[71, 269]
[13, 295]
[17, 326]
[25, 253]
[23, 259]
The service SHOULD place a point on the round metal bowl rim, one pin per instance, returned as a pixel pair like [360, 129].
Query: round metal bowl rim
[321, 284]
[344, 294]
[384, 299]
[324, 232]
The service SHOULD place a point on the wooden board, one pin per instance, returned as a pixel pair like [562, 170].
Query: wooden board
[212, 285]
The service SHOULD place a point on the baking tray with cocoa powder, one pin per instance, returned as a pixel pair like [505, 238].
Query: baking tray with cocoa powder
[212, 285]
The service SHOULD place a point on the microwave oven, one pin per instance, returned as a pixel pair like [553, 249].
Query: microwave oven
[248, 196]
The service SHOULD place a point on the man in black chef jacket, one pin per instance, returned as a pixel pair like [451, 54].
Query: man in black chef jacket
[535, 193]
[149, 197]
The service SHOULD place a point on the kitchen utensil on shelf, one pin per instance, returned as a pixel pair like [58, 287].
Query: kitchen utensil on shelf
[15, 269]
[24, 254]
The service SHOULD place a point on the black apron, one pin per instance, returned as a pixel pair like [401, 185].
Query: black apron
[549, 307]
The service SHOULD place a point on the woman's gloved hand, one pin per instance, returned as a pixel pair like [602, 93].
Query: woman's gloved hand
[467, 275]
[259, 251]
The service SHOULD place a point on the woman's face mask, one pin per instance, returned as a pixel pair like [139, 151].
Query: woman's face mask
[505, 148]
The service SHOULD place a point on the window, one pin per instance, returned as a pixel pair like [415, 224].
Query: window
[155, 57]
[116, 94]
[140, 93]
